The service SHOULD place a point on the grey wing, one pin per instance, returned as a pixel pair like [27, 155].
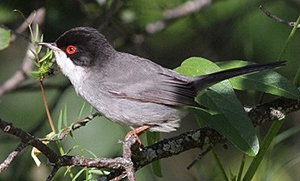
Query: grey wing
[168, 88]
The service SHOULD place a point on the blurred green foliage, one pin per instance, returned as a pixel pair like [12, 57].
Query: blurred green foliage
[225, 30]
[4, 38]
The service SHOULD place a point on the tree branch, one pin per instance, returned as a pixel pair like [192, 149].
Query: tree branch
[272, 111]
[189, 7]
[29, 139]
[11, 156]
[136, 158]
[22, 74]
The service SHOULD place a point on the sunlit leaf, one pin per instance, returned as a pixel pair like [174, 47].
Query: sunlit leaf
[266, 81]
[229, 118]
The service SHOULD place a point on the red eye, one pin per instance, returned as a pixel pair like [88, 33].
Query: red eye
[71, 49]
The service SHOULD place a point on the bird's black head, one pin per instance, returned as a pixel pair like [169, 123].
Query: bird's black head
[85, 46]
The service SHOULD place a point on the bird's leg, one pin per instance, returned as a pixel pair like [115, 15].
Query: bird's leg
[136, 132]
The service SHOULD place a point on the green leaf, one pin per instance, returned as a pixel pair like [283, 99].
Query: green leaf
[156, 166]
[91, 109]
[40, 47]
[267, 81]
[4, 38]
[36, 33]
[81, 110]
[59, 122]
[35, 74]
[227, 114]
[78, 174]
[90, 152]
[68, 170]
[152, 137]
[48, 55]
[88, 175]
[225, 127]
[71, 149]
[65, 117]
[98, 171]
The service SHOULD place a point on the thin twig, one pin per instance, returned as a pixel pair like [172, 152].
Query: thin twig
[46, 107]
[127, 154]
[53, 172]
[37, 17]
[78, 124]
[199, 157]
[84, 121]
[11, 156]
[279, 20]
[29, 139]
[22, 74]
[54, 101]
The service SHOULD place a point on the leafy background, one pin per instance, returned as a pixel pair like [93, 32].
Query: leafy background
[225, 30]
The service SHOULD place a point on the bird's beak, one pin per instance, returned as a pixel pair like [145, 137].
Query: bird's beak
[52, 46]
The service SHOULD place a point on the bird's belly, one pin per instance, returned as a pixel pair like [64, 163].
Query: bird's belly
[133, 113]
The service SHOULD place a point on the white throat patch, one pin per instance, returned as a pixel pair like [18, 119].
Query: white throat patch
[74, 72]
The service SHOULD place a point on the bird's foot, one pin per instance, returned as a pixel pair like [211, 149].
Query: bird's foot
[136, 132]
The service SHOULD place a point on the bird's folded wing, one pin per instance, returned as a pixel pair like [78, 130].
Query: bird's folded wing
[167, 89]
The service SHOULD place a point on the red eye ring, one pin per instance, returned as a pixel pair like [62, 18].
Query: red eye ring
[71, 49]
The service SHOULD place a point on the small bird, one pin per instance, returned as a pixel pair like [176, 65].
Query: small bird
[129, 89]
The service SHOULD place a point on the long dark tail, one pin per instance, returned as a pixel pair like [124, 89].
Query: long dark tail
[205, 81]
